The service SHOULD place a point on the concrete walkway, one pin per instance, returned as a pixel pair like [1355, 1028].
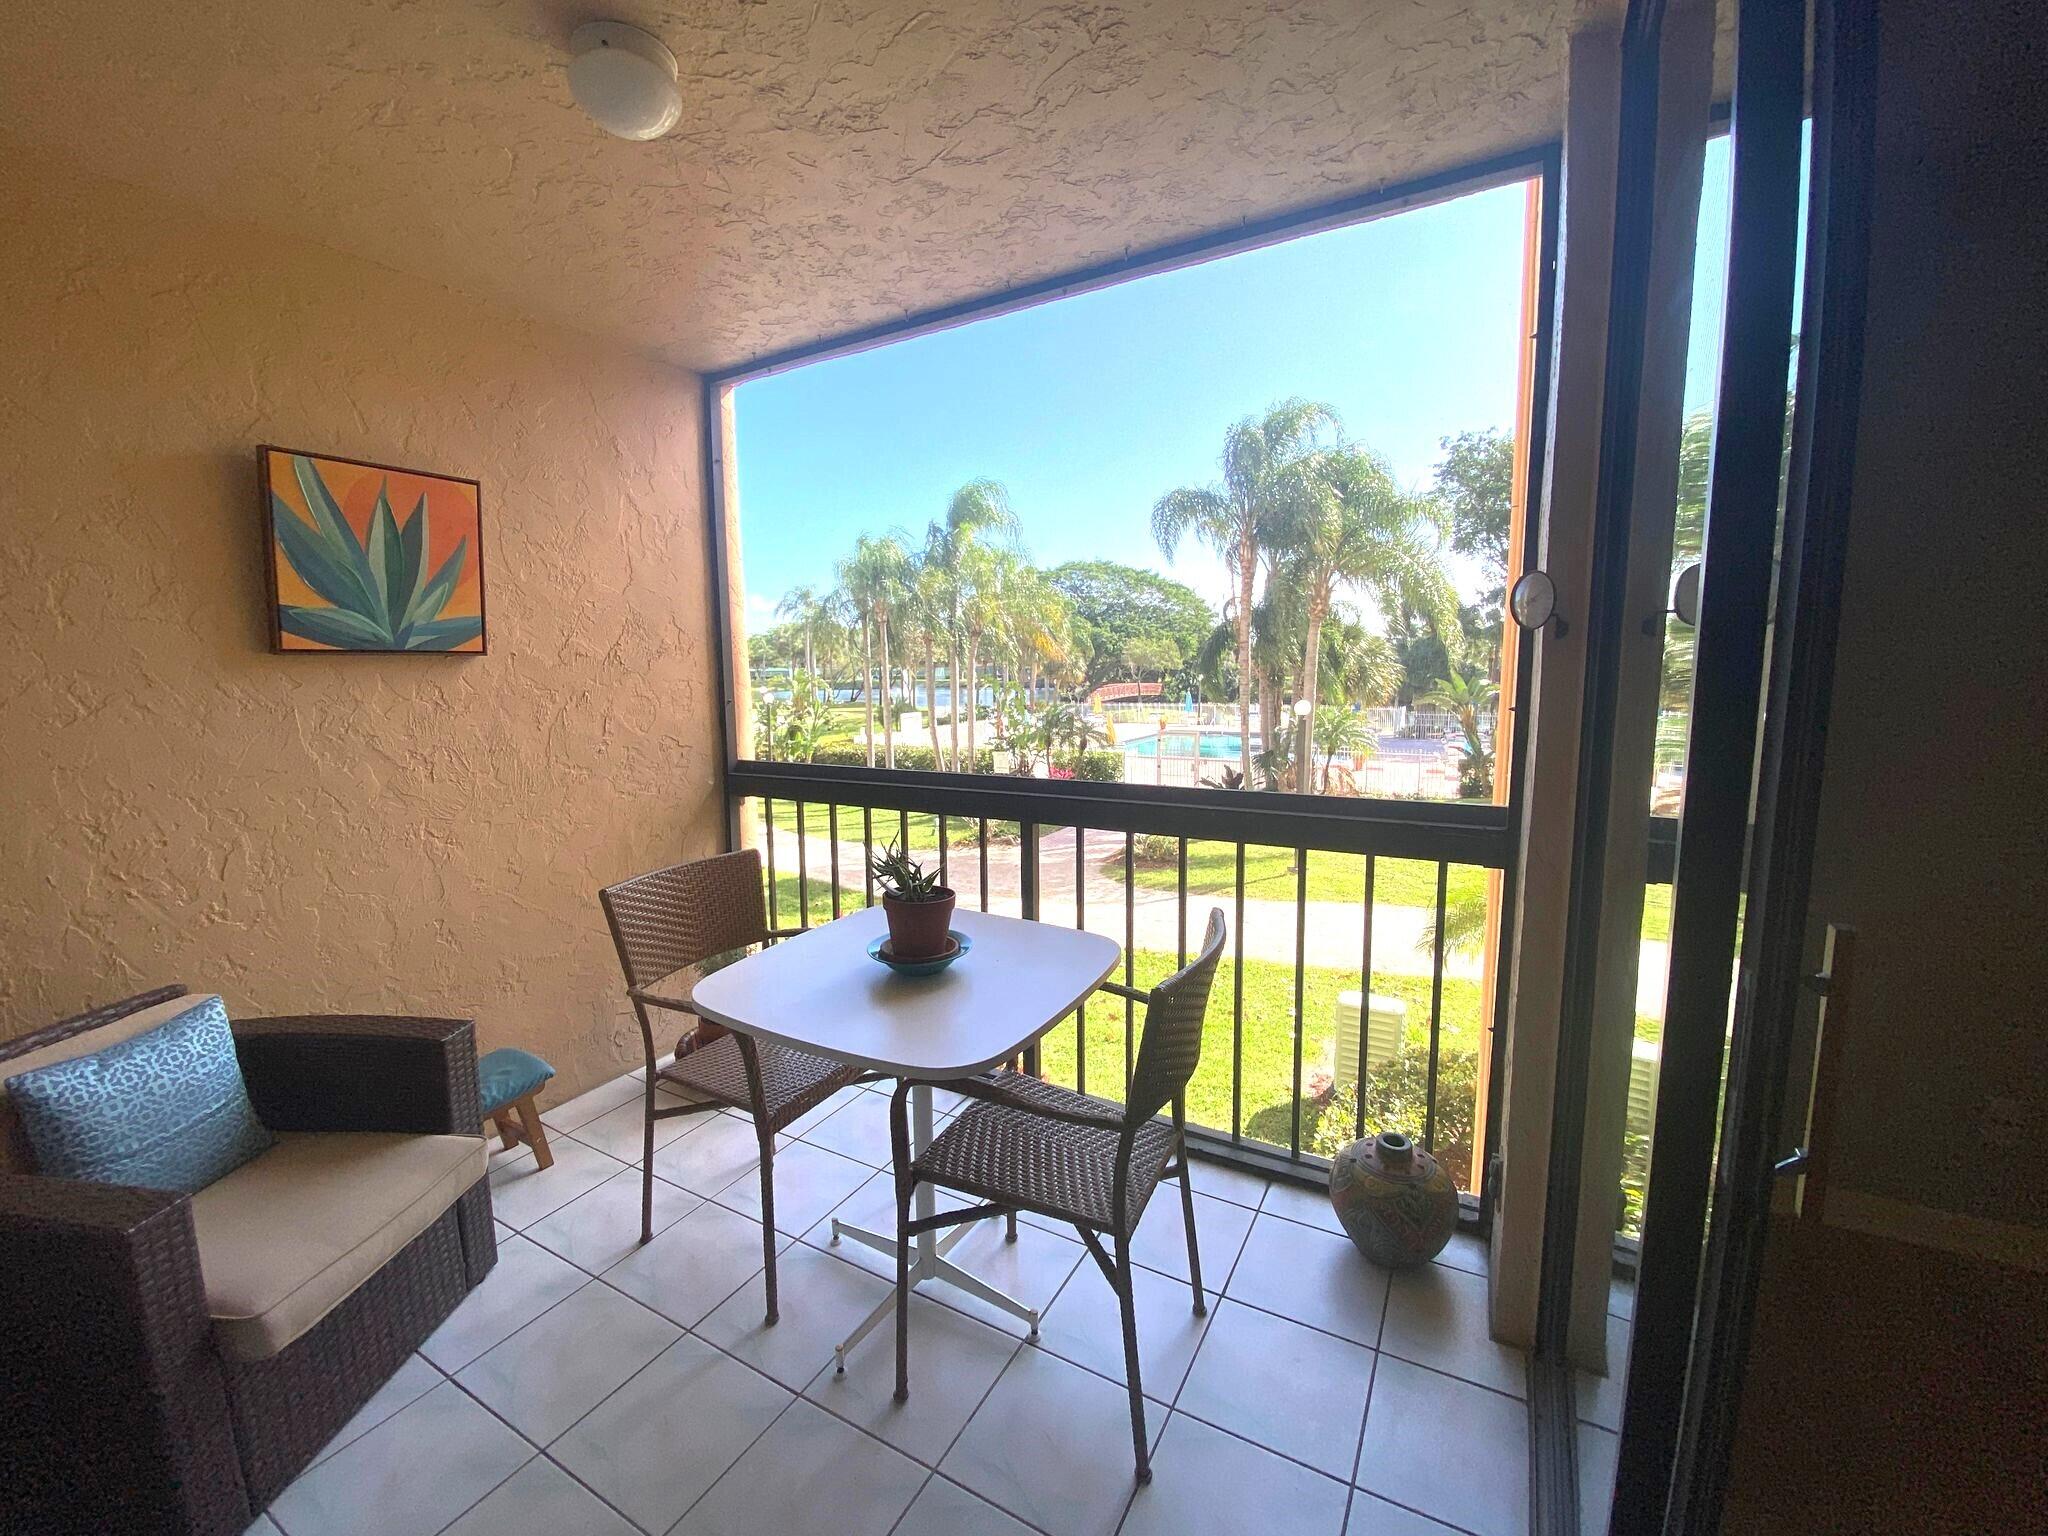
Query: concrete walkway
[1331, 934]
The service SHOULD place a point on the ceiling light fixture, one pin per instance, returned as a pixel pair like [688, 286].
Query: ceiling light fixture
[624, 79]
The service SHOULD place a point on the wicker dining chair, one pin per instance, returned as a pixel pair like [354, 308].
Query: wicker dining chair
[674, 918]
[1031, 1145]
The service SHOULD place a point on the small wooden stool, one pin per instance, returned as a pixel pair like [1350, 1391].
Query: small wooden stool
[507, 1080]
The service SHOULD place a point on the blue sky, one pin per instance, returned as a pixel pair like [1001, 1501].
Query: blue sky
[1090, 408]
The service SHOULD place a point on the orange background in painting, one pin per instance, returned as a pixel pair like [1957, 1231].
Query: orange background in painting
[451, 517]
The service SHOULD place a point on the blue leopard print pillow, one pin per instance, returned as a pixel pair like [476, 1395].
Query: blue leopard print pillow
[166, 1109]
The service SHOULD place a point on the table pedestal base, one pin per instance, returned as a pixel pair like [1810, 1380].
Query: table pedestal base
[928, 1259]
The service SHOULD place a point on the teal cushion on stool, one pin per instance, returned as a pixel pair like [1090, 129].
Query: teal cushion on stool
[509, 1073]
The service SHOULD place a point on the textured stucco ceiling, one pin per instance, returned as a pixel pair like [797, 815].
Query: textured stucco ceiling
[838, 163]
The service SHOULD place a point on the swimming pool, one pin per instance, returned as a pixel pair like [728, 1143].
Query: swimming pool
[1223, 744]
[1216, 744]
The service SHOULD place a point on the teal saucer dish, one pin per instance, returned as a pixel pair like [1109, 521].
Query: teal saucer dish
[931, 965]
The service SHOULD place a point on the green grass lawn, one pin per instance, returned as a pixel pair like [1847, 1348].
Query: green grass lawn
[1270, 873]
[845, 722]
[843, 725]
[818, 823]
[1266, 1040]
[922, 838]
[1212, 867]
[1267, 1035]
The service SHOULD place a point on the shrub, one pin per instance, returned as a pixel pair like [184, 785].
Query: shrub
[1097, 767]
[915, 758]
[1475, 775]
[965, 832]
[1154, 848]
[1396, 1098]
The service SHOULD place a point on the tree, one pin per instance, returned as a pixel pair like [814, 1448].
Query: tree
[1116, 607]
[1039, 625]
[1359, 667]
[1475, 485]
[1061, 724]
[808, 610]
[876, 578]
[922, 620]
[1467, 695]
[806, 719]
[1464, 926]
[1425, 655]
[1275, 635]
[1339, 732]
[1013, 722]
[1262, 456]
[985, 577]
[773, 647]
[1688, 539]
[1153, 654]
[1688, 543]
[1350, 525]
[979, 512]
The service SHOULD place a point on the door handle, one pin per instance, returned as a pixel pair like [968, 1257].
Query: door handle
[1832, 984]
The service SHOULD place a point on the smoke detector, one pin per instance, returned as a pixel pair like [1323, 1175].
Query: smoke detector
[625, 79]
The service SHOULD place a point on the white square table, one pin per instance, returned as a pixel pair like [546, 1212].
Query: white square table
[821, 991]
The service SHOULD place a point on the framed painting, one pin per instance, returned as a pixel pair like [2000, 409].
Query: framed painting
[371, 557]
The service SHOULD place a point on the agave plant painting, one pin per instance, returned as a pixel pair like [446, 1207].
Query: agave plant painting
[369, 557]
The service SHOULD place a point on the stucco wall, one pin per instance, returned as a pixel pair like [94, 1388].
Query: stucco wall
[422, 834]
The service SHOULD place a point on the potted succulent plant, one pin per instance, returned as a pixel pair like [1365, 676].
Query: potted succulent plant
[919, 909]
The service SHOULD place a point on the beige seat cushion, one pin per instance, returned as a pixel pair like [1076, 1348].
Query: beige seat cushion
[285, 1239]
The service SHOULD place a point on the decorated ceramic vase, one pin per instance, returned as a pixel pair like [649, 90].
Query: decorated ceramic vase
[1395, 1200]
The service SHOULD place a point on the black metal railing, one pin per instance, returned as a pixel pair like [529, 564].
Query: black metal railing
[961, 814]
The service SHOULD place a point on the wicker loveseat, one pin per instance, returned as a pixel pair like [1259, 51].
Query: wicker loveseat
[170, 1362]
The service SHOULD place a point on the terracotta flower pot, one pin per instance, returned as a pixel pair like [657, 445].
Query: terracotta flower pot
[917, 929]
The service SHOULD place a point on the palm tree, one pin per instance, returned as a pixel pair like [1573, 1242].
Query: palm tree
[1338, 732]
[874, 577]
[1038, 624]
[1060, 724]
[850, 601]
[807, 609]
[1261, 455]
[1466, 695]
[1347, 524]
[1464, 926]
[1359, 666]
[986, 576]
[1275, 624]
[978, 512]
[926, 609]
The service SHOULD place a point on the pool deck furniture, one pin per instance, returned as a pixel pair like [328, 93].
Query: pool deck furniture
[821, 993]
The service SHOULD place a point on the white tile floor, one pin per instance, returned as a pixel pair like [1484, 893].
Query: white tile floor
[591, 1387]
[1599, 1412]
